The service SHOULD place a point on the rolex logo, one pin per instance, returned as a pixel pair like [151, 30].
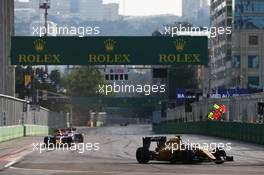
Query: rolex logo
[109, 45]
[180, 45]
[39, 45]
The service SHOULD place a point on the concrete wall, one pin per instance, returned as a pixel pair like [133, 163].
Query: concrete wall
[36, 130]
[17, 120]
[11, 132]
[16, 131]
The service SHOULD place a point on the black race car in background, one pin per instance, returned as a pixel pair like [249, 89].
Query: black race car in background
[124, 124]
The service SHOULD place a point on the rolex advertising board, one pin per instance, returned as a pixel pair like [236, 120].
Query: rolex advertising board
[109, 50]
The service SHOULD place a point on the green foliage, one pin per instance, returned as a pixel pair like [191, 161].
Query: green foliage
[182, 77]
[55, 76]
[84, 81]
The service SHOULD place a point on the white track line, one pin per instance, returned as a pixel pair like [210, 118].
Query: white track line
[10, 164]
[73, 171]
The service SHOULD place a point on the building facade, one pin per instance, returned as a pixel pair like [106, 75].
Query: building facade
[7, 76]
[248, 44]
[190, 9]
[95, 10]
[220, 62]
[90, 10]
[60, 8]
[236, 60]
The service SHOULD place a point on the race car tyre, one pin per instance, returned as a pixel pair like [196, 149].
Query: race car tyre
[68, 141]
[219, 155]
[188, 156]
[142, 155]
[81, 139]
[49, 141]
[46, 140]
[175, 157]
[78, 138]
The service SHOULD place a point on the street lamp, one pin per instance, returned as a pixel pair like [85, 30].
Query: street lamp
[45, 4]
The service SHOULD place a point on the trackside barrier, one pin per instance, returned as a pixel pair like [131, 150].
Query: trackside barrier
[242, 108]
[11, 132]
[17, 119]
[36, 130]
[248, 132]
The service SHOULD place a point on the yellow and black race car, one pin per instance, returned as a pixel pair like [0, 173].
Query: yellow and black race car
[175, 151]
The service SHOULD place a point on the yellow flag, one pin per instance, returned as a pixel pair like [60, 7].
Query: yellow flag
[27, 80]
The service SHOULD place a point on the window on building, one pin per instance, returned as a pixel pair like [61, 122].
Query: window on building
[236, 61]
[106, 77]
[228, 51]
[229, 11]
[121, 77]
[126, 76]
[116, 77]
[253, 61]
[253, 40]
[229, 22]
[111, 77]
[253, 81]
[229, 38]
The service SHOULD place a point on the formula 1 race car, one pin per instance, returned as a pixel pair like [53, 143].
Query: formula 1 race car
[124, 124]
[175, 151]
[64, 136]
[76, 137]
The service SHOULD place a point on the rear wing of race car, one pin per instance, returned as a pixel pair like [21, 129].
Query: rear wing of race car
[159, 140]
[71, 129]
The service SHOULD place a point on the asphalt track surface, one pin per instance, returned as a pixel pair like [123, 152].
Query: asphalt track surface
[116, 156]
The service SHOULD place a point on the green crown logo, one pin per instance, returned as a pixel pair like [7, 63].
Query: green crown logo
[109, 45]
[39, 45]
[180, 45]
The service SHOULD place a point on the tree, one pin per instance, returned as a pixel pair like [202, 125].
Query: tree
[55, 76]
[183, 77]
[84, 81]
